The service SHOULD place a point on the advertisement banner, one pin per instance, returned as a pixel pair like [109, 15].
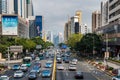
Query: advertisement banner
[9, 25]
[38, 22]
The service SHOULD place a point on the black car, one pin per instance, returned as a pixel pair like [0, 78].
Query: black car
[66, 60]
[32, 76]
[79, 75]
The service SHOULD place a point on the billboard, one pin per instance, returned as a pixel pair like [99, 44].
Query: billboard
[38, 23]
[9, 25]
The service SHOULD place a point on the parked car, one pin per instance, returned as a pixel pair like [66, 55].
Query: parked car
[79, 75]
[4, 77]
[16, 67]
[32, 75]
[46, 73]
[18, 74]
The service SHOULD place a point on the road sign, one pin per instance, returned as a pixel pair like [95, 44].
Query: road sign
[38, 46]
[16, 48]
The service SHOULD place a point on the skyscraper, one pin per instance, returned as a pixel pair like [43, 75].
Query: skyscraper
[96, 20]
[3, 6]
[79, 14]
[29, 8]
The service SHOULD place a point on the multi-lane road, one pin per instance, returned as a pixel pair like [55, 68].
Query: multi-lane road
[10, 73]
[89, 72]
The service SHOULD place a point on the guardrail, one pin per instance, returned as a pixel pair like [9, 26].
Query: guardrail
[54, 69]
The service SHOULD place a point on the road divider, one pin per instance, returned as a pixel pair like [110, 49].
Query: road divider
[54, 69]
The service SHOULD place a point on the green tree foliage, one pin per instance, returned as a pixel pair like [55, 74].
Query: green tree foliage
[73, 40]
[90, 42]
[60, 44]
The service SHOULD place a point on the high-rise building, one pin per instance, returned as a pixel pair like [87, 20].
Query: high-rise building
[3, 6]
[23, 8]
[29, 8]
[114, 10]
[77, 27]
[79, 14]
[104, 13]
[32, 29]
[10, 7]
[49, 36]
[84, 29]
[73, 21]
[60, 37]
[96, 20]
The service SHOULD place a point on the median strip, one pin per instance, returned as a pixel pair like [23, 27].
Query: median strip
[54, 69]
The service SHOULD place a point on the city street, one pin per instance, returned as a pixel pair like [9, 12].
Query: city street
[89, 72]
[10, 73]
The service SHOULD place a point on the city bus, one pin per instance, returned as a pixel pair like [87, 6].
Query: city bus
[41, 56]
[27, 61]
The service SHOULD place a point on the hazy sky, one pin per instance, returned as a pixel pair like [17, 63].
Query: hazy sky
[55, 12]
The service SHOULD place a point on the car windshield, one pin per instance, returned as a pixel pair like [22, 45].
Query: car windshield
[16, 66]
[32, 73]
[18, 72]
[46, 71]
[3, 78]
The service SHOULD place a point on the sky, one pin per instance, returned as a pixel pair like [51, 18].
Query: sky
[57, 12]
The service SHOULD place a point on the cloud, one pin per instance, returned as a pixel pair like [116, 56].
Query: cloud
[56, 12]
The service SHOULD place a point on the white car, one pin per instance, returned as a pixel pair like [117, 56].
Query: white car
[60, 67]
[23, 67]
[37, 58]
[72, 67]
[116, 78]
[73, 62]
[4, 77]
[18, 74]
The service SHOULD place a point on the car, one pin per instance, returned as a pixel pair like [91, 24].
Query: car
[60, 67]
[37, 59]
[59, 60]
[4, 77]
[116, 78]
[48, 64]
[37, 63]
[32, 75]
[79, 75]
[72, 67]
[36, 69]
[16, 67]
[73, 62]
[18, 74]
[24, 67]
[66, 60]
[46, 73]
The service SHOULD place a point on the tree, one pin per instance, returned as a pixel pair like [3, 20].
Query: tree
[89, 43]
[75, 38]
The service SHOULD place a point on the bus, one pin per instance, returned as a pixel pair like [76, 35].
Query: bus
[27, 61]
[41, 56]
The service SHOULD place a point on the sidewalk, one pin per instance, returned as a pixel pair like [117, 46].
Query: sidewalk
[115, 66]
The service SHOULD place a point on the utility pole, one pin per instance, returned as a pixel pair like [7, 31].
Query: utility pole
[8, 57]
